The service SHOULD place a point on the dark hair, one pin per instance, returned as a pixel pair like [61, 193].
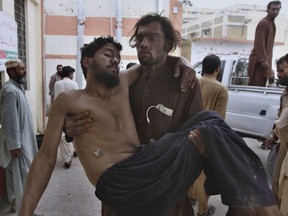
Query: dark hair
[171, 35]
[59, 65]
[130, 64]
[273, 3]
[9, 71]
[280, 60]
[286, 58]
[210, 63]
[66, 71]
[89, 50]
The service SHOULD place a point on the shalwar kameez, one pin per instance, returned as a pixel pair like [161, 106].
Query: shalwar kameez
[17, 131]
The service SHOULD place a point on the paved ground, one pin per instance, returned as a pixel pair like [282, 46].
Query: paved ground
[69, 192]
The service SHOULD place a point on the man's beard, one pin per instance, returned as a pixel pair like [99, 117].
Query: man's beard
[21, 79]
[108, 79]
[283, 81]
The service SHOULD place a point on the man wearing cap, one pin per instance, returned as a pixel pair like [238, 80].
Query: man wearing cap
[18, 144]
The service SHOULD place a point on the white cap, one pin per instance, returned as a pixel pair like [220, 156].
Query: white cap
[12, 63]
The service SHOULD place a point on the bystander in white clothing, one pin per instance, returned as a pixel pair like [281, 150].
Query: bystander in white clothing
[66, 149]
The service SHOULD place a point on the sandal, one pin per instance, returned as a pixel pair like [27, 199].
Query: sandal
[13, 207]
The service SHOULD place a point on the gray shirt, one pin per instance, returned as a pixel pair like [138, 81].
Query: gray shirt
[17, 124]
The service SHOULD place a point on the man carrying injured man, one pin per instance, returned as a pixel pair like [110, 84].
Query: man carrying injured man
[134, 179]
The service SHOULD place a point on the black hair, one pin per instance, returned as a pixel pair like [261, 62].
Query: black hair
[210, 63]
[273, 3]
[172, 36]
[286, 58]
[66, 71]
[130, 64]
[89, 50]
[280, 60]
[59, 65]
[10, 70]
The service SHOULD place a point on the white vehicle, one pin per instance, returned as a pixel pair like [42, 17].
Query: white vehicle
[251, 110]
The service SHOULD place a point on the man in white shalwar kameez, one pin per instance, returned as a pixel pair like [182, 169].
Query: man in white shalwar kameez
[66, 149]
[18, 144]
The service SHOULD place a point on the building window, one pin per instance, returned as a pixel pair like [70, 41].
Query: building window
[19, 8]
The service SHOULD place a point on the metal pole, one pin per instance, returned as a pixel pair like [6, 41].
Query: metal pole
[160, 6]
[80, 41]
[119, 20]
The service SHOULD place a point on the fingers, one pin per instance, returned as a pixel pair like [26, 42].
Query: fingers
[79, 116]
[83, 122]
[194, 79]
[188, 79]
[15, 153]
[80, 130]
[177, 69]
[185, 81]
[78, 127]
[195, 137]
[77, 124]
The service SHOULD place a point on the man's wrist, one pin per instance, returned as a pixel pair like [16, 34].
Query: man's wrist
[273, 137]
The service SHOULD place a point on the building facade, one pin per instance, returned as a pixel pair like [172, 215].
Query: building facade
[68, 24]
[228, 31]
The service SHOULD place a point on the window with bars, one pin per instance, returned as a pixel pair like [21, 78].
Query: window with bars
[19, 8]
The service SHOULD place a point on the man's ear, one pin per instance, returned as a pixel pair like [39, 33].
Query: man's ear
[86, 61]
[11, 72]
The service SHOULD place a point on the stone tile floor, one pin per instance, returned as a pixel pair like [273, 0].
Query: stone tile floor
[69, 192]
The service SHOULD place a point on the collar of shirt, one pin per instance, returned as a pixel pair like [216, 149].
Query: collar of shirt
[17, 84]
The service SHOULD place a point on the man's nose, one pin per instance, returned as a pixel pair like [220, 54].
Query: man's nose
[115, 60]
[144, 42]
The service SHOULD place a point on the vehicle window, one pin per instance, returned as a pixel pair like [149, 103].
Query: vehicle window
[222, 66]
[240, 74]
[198, 69]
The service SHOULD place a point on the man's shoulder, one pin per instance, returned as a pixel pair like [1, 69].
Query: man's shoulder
[54, 74]
[264, 21]
[212, 82]
[65, 97]
[9, 87]
[123, 76]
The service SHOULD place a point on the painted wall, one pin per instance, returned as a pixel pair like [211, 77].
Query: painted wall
[60, 27]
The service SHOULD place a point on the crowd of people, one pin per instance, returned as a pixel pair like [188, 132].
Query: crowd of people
[148, 137]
